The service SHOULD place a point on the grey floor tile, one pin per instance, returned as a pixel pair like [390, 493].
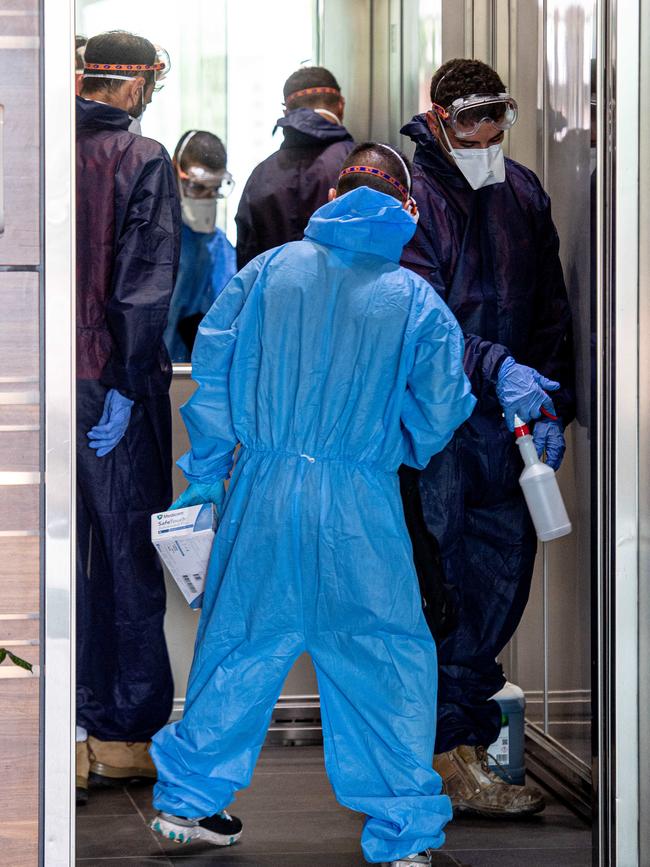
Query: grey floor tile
[524, 858]
[292, 819]
[107, 802]
[118, 837]
[556, 829]
[126, 861]
[239, 859]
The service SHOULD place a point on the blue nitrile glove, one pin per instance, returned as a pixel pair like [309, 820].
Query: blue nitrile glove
[548, 437]
[200, 492]
[112, 426]
[522, 391]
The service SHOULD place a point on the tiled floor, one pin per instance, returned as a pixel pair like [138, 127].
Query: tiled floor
[292, 820]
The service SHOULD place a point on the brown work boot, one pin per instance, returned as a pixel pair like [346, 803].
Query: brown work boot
[81, 773]
[116, 763]
[474, 788]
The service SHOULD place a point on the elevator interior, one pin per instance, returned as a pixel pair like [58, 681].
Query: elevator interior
[547, 62]
[227, 77]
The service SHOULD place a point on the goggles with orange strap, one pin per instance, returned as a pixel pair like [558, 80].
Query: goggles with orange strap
[466, 115]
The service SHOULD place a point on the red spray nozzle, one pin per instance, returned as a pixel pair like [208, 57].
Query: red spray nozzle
[521, 428]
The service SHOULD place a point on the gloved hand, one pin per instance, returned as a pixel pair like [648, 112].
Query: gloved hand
[201, 492]
[112, 426]
[522, 391]
[548, 437]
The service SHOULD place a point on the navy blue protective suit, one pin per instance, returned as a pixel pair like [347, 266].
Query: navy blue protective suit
[208, 263]
[332, 366]
[492, 254]
[287, 187]
[128, 231]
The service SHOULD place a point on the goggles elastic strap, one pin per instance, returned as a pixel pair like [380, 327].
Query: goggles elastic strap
[181, 149]
[105, 75]
[126, 67]
[395, 153]
[379, 173]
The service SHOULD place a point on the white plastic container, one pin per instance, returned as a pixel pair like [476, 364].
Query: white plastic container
[541, 490]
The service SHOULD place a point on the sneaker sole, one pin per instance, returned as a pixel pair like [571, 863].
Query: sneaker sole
[183, 834]
[107, 775]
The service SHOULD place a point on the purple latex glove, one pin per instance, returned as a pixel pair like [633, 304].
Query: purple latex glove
[112, 426]
[522, 391]
[548, 437]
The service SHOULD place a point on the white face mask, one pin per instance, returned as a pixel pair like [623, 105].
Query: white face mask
[481, 167]
[200, 215]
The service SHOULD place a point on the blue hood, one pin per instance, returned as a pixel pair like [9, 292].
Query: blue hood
[363, 221]
[93, 115]
[304, 126]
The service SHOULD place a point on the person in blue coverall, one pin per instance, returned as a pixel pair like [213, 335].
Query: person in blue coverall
[331, 365]
[487, 244]
[208, 259]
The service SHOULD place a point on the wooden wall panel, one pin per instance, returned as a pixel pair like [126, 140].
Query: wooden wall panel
[19, 574]
[19, 764]
[19, 334]
[20, 166]
[19, 74]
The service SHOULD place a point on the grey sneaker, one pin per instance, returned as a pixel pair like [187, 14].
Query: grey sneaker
[410, 860]
[220, 829]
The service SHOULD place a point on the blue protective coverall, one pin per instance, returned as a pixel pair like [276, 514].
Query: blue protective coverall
[128, 233]
[331, 365]
[208, 262]
[492, 254]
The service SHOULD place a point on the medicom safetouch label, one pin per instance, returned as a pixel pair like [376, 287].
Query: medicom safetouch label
[183, 539]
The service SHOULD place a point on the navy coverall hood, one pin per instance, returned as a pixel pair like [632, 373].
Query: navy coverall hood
[287, 187]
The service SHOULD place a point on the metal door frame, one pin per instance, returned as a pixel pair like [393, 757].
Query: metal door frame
[57, 162]
[616, 741]
[616, 769]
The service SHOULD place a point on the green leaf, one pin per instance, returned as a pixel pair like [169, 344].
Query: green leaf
[21, 663]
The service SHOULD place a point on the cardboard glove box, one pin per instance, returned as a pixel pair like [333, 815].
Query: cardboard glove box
[183, 539]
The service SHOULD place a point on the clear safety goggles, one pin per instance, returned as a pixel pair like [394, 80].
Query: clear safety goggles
[467, 114]
[200, 183]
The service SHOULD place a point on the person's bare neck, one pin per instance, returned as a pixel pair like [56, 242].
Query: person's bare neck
[115, 100]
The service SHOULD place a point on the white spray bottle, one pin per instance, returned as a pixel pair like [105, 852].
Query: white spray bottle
[541, 490]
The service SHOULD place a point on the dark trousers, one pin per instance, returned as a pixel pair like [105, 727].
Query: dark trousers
[473, 505]
[124, 681]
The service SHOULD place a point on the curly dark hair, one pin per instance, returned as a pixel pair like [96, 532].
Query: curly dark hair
[463, 77]
[311, 76]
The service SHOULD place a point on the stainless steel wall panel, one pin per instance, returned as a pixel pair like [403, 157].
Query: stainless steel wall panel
[644, 443]
[346, 48]
[457, 29]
